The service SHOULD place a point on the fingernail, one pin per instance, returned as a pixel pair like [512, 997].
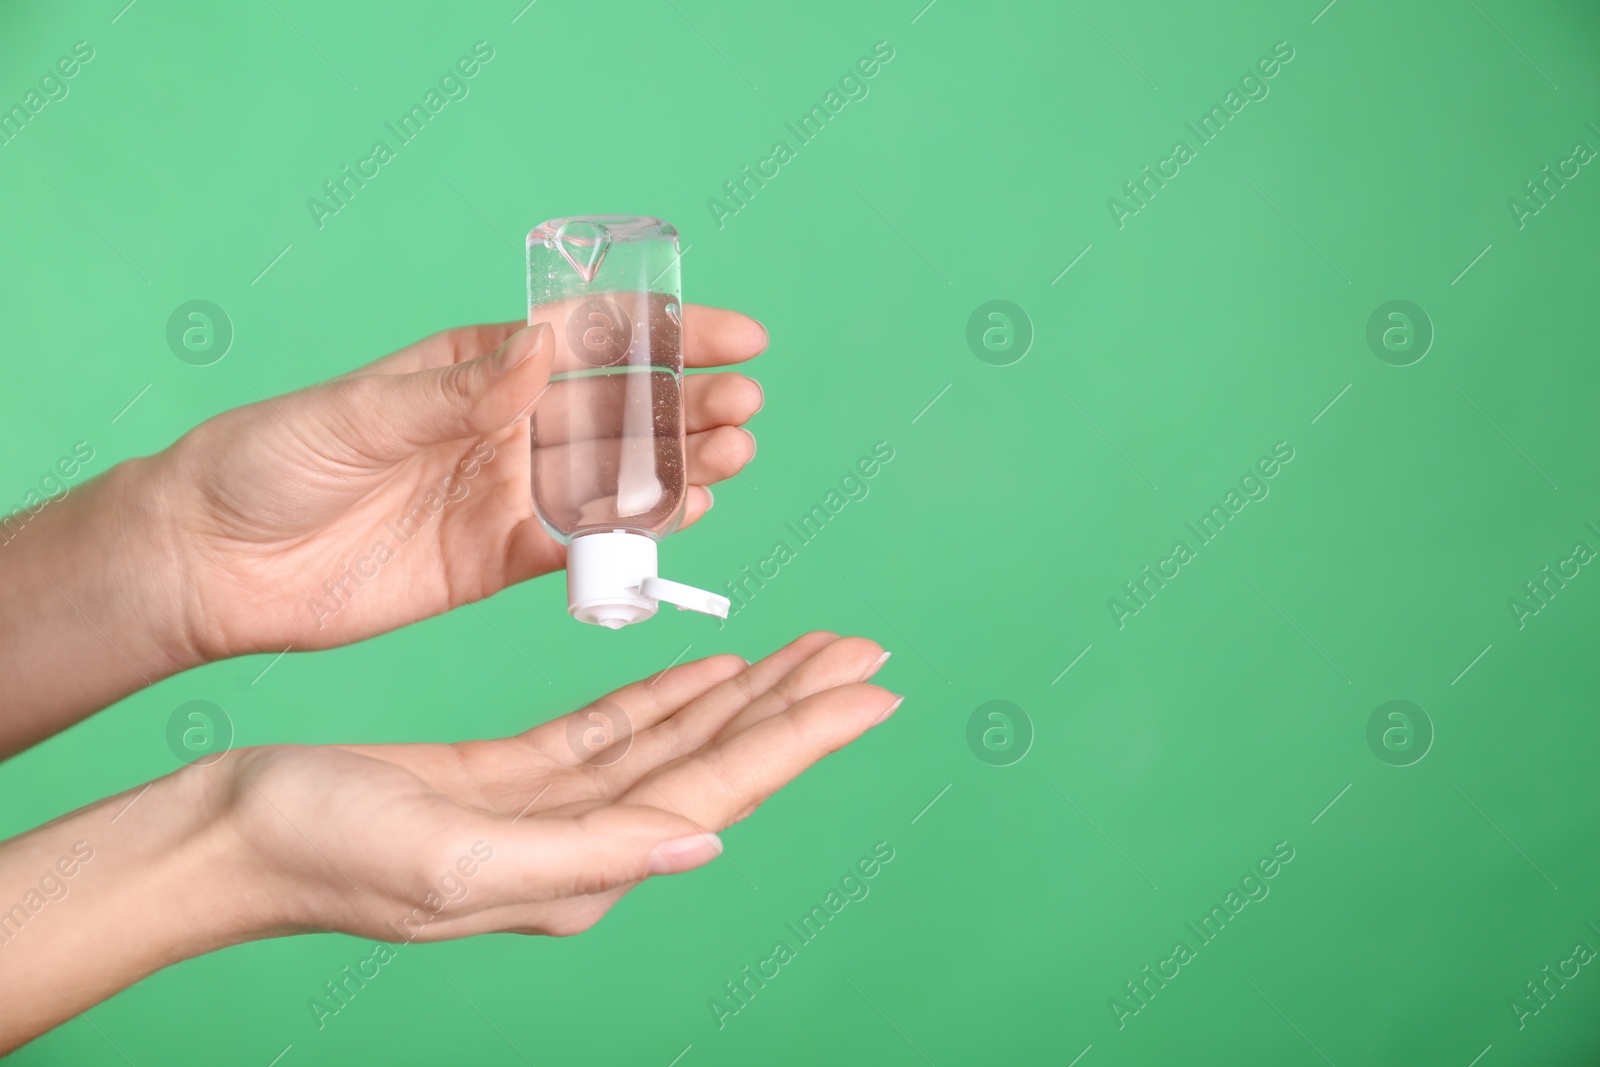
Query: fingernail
[876, 664]
[711, 498]
[753, 445]
[684, 853]
[522, 345]
[898, 700]
[763, 401]
[766, 338]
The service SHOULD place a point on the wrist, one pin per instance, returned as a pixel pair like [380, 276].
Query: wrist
[103, 897]
[142, 529]
[97, 603]
[123, 555]
[212, 890]
[174, 864]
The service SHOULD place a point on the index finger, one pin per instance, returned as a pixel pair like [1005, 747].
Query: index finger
[712, 337]
[716, 784]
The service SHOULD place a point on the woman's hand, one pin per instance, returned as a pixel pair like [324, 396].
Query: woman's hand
[539, 833]
[316, 519]
[402, 490]
[573, 813]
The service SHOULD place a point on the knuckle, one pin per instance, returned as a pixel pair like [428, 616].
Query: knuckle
[747, 686]
[602, 877]
[725, 777]
[455, 386]
[447, 337]
[800, 735]
[729, 664]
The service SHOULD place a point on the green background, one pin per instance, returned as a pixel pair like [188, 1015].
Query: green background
[1227, 716]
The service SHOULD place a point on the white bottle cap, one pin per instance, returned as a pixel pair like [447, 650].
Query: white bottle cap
[611, 582]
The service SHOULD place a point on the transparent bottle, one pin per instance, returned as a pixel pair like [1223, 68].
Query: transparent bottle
[609, 472]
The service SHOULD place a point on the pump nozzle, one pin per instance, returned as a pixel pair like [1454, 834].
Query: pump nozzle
[611, 582]
[686, 597]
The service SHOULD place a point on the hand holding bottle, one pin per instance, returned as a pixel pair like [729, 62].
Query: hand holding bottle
[289, 494]
[318, 518]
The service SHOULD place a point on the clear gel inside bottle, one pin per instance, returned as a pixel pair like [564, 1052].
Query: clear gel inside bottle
[608, 434]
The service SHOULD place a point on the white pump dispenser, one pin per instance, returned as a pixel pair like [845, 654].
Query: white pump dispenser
[611, 581]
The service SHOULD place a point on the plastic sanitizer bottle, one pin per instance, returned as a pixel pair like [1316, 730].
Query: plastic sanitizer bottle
[608, 435]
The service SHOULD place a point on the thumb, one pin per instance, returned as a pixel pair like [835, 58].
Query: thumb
[603, 849]
[463, 400]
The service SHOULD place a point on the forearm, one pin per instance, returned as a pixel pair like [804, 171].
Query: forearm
[97, 900]
[92, 604]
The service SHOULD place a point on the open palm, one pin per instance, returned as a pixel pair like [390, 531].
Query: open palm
[542, 832]
[401, 490]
